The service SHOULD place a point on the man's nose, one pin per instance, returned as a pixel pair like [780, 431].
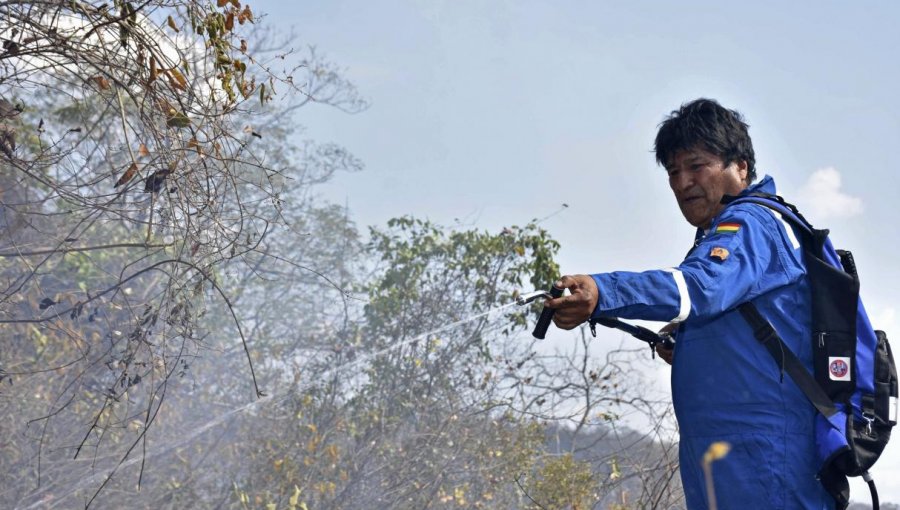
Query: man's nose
[682, 181]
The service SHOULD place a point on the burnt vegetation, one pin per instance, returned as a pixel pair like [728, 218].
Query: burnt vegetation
[185, 324]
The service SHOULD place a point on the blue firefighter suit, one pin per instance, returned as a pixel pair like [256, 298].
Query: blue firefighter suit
[725, 385]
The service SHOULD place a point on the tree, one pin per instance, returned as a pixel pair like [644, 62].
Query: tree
[430, 398]
[401, 411]
[156, 218]
[134, 170]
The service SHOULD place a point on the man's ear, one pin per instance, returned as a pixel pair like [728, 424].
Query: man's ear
[743, 171]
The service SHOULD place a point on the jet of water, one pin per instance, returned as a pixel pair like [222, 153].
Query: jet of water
[41, 496]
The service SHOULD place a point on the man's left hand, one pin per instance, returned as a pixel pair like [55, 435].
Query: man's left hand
[667, 353]
[576, 308]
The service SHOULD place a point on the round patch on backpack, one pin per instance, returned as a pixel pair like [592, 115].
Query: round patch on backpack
[839, 368]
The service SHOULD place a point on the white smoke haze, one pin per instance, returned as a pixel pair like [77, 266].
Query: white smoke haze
[384, 390]
[821, 196]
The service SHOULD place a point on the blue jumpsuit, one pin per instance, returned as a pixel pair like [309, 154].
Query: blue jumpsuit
[725, 385]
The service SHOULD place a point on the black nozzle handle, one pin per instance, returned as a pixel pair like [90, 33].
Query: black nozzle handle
[540, 329]
[639, 332]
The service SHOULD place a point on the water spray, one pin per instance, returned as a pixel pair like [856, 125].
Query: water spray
[39, 496]
[105, 474]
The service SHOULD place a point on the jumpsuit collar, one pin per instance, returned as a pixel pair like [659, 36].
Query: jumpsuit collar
[765, 185]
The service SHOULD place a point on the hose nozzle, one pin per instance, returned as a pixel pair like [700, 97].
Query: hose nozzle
[540, 329]
[524, 299]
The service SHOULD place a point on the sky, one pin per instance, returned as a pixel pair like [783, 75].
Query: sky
[490, 114]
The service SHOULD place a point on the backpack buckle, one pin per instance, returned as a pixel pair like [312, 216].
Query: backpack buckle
[869, 420]
[765, 333]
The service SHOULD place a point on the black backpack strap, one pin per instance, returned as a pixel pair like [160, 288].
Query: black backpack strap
[832, 476]
[787, 205]
[766, 334]
[789, 211]
[838, 487]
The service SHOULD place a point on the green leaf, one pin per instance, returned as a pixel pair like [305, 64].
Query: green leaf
[178, 120]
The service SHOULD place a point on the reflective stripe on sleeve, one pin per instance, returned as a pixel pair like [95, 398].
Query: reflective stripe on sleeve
[685, 308]
[787, 228]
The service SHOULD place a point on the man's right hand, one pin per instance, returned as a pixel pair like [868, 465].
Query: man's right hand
[577, 307]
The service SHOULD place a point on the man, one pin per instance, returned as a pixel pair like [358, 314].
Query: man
[725, 385]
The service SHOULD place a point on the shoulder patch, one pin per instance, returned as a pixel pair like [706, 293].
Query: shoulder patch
[719, 253]
[728, 228]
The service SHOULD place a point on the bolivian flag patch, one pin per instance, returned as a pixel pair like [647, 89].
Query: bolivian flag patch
[728, 228]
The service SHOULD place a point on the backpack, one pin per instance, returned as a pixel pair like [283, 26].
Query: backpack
[854, 384]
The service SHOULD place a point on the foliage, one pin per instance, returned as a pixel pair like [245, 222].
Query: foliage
[425, 398]
[181, 315]
[403, 413]
[563, 482]
[139, 162]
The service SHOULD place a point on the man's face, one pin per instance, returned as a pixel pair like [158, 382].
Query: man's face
[699, 179]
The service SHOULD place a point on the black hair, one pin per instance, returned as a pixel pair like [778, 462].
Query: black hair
[705, 124]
